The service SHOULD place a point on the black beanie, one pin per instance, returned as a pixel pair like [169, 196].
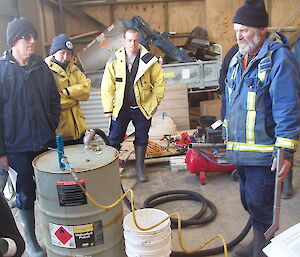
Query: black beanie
[17, 28]
[60, 42]
[253, 14]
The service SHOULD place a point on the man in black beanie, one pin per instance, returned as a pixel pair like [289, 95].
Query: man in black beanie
[262, 115]
[29, 114]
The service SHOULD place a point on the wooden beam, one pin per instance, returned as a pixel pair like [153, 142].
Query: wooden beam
[111, 14]
[116, 2]
[62, 23]
[78, 13]
[166, 16]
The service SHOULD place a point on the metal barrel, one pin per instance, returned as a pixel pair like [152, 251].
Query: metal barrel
[71, 224]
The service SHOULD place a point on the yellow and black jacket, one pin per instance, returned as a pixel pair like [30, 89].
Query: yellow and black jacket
[73, 87]
[149, 84]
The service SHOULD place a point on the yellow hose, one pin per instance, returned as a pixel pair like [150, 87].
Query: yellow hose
[149, 228]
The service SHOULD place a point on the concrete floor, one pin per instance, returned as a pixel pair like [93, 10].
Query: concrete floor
[220, 189]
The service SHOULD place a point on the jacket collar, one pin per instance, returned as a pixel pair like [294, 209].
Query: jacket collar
[34, 63]
[143, 64]
[58, 69]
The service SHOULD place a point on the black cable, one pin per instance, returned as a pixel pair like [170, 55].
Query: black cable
[220, 164]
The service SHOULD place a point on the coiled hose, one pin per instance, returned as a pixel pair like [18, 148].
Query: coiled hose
[174, 195]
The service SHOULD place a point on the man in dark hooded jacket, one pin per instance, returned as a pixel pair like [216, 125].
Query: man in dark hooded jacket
[29, 114]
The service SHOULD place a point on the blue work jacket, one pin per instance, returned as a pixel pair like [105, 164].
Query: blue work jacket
[263, 110]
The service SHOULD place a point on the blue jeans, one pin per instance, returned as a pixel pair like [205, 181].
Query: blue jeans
[257, 185]
[22, 164]
[118, 127]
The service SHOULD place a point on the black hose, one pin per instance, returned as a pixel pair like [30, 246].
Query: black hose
[174, 195]
[189, 195]
[102, 135]
[126, 200]
[216, 250]
[200, 152]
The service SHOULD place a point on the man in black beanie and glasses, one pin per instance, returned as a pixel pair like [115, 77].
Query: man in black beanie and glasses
[262, 114]
[29, 114]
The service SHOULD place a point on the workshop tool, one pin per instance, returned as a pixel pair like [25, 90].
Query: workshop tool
[203, 160]
[277, 196]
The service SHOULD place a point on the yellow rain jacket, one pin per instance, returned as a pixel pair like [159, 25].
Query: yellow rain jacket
[73, 87]
[149, 84]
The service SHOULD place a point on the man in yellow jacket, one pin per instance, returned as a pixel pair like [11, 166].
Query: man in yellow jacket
[131, 90]
[73, 87]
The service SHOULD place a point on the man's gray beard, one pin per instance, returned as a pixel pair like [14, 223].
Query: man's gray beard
[251, 46]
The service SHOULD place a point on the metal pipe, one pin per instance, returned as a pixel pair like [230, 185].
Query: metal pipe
[207, 145]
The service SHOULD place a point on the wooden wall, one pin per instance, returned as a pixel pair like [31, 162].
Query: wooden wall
[178, 16]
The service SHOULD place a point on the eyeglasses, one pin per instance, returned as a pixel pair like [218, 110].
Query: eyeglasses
[27, 37]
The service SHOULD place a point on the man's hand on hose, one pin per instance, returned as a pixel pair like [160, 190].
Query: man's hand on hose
[4, 162]
[287, 165]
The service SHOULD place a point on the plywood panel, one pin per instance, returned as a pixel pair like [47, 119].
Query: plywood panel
[100, 13]
[152, 13]
[184, 16]
[281, 11]
[219, 15]
[74, 26]
[175, 105]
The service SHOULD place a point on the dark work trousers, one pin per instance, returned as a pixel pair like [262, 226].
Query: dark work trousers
[257, 185]
[8, 226]
[22, 164]
[74, 142]
[118, 127]
[223, 106]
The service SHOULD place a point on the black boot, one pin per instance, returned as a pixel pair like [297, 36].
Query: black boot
[140, 152]
[287, 188]
[244, 251]
[31, 245]
[259, 242]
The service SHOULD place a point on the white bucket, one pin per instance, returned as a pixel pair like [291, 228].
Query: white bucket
[151, 243]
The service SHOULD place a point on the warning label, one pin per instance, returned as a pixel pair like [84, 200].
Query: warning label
[70, 194]
[79, 236]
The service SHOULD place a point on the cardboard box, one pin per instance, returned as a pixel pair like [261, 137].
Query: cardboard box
[177, 163]
[211, 107]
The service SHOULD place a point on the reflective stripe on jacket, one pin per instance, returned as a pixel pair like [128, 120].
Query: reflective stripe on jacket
[73, 87]
[149, 84]
[263, 110]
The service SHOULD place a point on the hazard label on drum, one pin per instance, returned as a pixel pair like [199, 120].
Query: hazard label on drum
[77, 236]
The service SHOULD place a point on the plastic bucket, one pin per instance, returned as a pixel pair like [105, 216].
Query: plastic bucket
[151, 243]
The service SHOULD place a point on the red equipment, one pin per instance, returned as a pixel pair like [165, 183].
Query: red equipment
[206, 160]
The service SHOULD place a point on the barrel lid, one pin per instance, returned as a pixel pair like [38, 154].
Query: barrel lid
[80, 159]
